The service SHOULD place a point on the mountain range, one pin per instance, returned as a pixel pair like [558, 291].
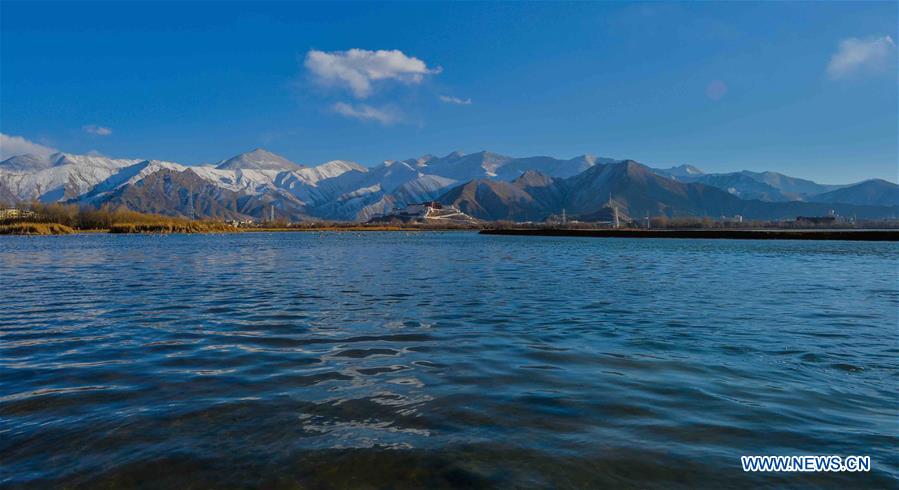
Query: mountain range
[485, 185]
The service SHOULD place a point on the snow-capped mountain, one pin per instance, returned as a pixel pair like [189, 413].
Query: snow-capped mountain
[258, 159]
[249, 184]
[680, 172]
[58, 177]
[126, 176]
[765, 186]
[27, 163]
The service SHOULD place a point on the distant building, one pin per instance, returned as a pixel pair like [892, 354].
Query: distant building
[734, 219]
[237, 223]
[14, 213]
[426, 212]
[422, 209]
[419, 209]
[555, 219]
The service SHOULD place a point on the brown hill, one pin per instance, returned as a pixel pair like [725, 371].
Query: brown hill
[186, 194]
[632, 187]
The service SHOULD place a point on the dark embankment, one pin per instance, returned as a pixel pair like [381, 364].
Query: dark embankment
[860, 235]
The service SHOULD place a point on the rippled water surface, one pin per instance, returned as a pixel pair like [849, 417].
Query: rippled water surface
[442, 359]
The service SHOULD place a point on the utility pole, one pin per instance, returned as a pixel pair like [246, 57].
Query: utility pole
[190, 204]
[615, 221]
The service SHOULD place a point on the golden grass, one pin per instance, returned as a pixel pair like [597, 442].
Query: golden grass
[35, 229]
[119, 220]
[173, 226]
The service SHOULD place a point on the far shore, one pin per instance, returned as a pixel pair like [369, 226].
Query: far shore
[66, 219]
[805, 234]
[356, 228]
[216, 228]
[203, 228]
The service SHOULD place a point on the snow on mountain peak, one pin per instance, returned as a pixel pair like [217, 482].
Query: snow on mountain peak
[258, 159]
[335, 168]
[59, 176]
[34, 163]
[25, 163]
[60, 159]
[684, 171]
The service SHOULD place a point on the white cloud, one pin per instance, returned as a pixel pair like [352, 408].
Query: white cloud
[855, 55]
[17, 145]
[97, 130]
[365, 112]
[449, 99]
[356, 69]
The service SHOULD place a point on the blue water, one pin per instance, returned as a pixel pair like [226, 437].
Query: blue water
[442, 360]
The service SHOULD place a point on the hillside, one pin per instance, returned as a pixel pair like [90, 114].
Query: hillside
[876, 192]
[636, 190]
[485, 184]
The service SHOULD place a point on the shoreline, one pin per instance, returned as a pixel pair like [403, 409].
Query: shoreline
[352, 228]
[346, 229]
[890, 235]
[845, 234]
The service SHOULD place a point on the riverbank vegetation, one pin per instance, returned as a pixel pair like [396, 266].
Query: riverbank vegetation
[395, 225]
[56, 219]
[26, 228]
[45, 219]
[172, 226]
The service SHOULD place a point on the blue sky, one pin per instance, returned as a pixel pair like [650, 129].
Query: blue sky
[808, 89]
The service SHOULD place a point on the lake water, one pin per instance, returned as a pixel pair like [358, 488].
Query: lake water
[442, 360]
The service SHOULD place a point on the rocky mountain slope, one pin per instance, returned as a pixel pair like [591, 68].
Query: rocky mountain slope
[876, 192]
[484, 184]
[764, 186]
[58, 177]
[636, 190]
[258, 159]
